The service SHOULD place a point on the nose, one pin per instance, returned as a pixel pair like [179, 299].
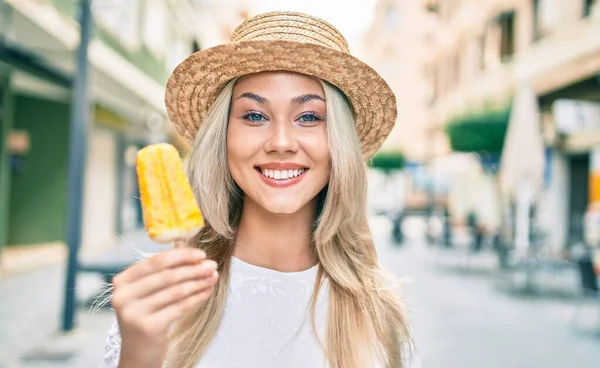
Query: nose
[282, 138]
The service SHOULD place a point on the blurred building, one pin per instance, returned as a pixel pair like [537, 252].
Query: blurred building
[473, 54]
[217, 19]
[135, 44]
[397, 45]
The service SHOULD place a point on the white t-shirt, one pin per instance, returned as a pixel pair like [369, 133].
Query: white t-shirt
[266, 323]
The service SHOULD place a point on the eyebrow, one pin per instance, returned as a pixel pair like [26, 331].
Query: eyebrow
[298, 99]
[254, 97]
[308, 97]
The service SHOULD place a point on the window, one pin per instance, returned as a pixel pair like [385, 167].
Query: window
[507, 35]
[121, 18]
[195, 46]
[536, 20]
[445, 76]
[481, 52]
[588, 7]
[431, 85]
[432, 6]
[491, 44]
[455, 70]
[438, 75]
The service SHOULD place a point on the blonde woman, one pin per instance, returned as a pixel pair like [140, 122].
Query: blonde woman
[285, 273]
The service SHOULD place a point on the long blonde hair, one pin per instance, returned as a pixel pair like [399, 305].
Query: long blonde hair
[365, 319]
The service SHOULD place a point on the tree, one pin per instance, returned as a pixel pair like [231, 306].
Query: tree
[388, 161]
[481, 132]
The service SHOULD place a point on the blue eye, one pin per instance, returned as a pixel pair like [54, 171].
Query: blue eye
[254, 117]
[309, 118]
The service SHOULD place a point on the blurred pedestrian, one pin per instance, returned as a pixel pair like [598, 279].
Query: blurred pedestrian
[447, 228]
[477, 231]
[285, 273]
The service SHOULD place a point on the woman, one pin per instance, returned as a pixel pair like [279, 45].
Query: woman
[285, 272]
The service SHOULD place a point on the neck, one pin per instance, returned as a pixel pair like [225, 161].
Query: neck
[278, 242]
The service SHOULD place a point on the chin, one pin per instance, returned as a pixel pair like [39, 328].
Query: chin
[281, 204]
[281, 208]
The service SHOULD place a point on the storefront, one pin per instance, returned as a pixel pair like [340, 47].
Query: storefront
[572, 128]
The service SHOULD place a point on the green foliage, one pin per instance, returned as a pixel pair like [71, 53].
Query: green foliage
[479, 132]
[388, 161]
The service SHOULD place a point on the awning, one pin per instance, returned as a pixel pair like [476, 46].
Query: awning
[34, 64]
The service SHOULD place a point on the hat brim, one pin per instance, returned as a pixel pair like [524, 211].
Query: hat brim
[194, 84]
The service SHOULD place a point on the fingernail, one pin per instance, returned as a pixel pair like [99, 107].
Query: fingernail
[200, 254]
[208, 265]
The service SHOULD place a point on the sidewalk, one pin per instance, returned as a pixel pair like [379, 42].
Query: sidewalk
[545, 282]
[30, 315]
[462, 320]
[16, 260]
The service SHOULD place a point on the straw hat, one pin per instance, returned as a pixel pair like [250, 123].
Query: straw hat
[287, 41]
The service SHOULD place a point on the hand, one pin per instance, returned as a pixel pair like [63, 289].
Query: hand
[152, 294]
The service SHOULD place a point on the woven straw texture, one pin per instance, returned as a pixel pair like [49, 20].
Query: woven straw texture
[286, 41]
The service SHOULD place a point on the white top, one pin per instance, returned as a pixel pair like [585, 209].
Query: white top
[265, 324]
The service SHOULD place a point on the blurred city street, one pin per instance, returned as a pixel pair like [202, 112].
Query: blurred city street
[30, 318]
[460, 319]
[484, 198]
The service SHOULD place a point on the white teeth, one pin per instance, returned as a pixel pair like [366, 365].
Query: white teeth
[281, 174]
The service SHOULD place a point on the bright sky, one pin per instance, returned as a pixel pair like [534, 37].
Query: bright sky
[351, 17]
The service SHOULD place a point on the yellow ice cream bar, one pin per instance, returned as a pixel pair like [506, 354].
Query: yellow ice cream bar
[168, 203]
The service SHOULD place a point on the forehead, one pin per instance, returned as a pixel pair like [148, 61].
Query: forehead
[278, 83]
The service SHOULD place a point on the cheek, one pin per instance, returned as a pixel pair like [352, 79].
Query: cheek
[232, 138]
[317, 147]
[242, 147]
[244, 141]
[235, 151]
[325, 161]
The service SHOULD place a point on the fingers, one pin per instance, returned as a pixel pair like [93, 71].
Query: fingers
[149, 296]
[168, 277]
[168, 259]
[132, 310]
[171, 313]
[176, 294]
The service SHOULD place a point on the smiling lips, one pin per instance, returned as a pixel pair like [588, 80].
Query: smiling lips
[281, 174]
